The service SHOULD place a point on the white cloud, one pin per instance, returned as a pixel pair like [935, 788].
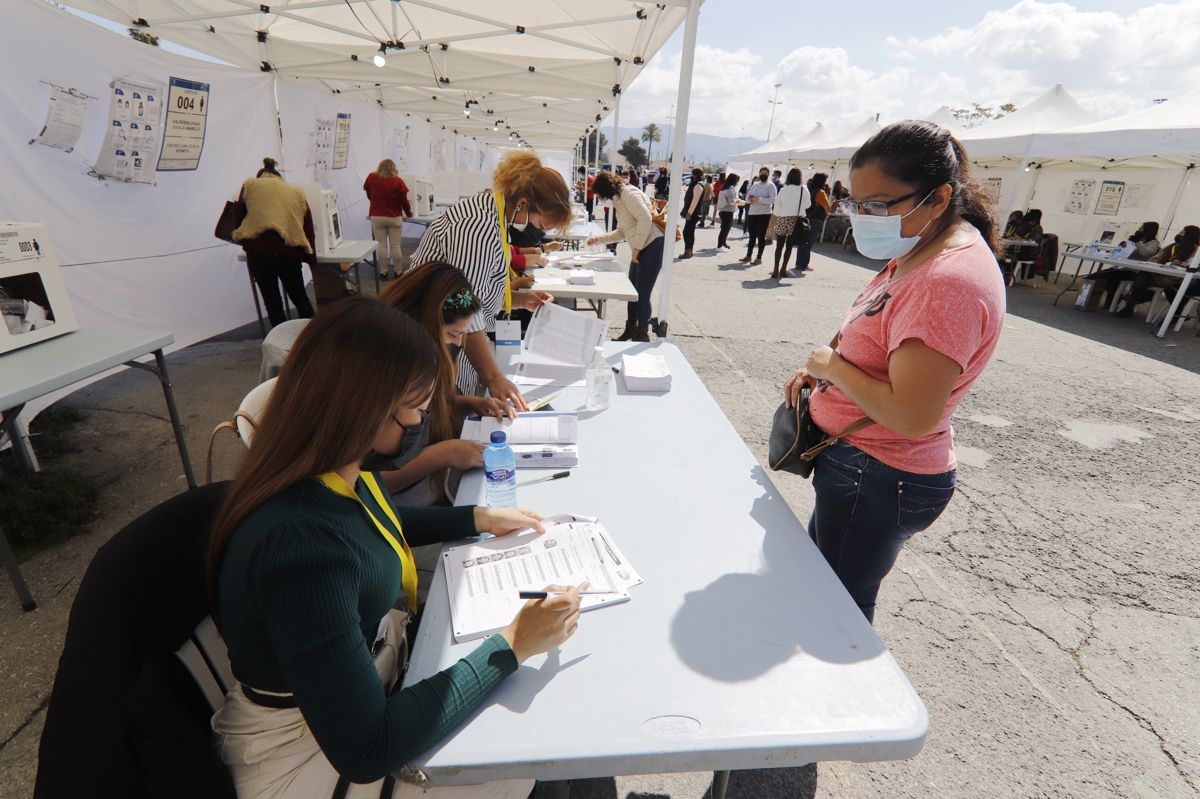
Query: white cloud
[1111, 63]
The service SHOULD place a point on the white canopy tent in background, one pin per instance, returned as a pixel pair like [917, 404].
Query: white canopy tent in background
[944, 117]
[833, 157]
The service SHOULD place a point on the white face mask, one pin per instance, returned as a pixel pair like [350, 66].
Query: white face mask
[880, 237]
[520, 227]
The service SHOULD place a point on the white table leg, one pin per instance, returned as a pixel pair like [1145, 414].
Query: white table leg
[1179, 297]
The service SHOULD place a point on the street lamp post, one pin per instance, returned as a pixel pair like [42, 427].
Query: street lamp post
[775, 102]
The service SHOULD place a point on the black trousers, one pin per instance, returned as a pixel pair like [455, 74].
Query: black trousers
[689, 232]
[756, 224]
[269, 270]
[726, 224]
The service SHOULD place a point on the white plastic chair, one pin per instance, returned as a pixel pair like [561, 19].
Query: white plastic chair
[244, 421]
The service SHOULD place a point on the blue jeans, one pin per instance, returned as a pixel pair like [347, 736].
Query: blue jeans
[865, 511]
[643, 276]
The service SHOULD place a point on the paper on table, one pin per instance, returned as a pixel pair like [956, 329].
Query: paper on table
[548, 281]
[563, 335]
[547, 374]
[538, 427]
[483, 579]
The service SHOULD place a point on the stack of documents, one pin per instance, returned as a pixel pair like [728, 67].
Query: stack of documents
[483, 579]
[645, 373]
[540, 439]
[558, 347]
[582, 277]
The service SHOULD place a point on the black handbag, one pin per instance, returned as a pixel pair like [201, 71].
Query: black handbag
[230, 220]
[796, 441]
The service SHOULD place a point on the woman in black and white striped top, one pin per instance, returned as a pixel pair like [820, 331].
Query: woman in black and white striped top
[470, 237]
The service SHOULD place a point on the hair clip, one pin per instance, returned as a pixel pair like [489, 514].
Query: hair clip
[460, 299]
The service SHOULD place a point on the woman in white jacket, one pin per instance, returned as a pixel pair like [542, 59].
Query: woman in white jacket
[645, 240]
[791, 225]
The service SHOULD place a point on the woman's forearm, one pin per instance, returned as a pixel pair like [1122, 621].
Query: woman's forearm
[416, 470]
[481, 355]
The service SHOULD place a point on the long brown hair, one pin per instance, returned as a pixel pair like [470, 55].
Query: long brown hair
[436, 294]
[521, 176]
[344, 376]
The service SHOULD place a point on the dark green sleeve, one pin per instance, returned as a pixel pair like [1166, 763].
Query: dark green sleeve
[436, 525]
[307, 586]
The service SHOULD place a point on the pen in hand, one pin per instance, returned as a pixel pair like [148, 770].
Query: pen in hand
[546, 594]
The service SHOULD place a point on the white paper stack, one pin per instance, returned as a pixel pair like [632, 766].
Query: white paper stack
[645, 373]
[582, 277]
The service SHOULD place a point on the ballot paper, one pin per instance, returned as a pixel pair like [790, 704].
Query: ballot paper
[563, 336]
[535, 427]
[483, 579]
[645, 373]
[547, 374]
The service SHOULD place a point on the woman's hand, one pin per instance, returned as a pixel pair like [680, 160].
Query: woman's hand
[490, 406]
[460, 454]
[591, 240]
[531, 300]
[502, 521]
[523, 282]
[535, 259]
[503, 389]
[821, 363]
[791, 389]
[552, 246]
[633, 259]
[543, 624]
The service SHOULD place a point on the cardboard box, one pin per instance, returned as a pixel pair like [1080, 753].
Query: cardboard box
[34, 304]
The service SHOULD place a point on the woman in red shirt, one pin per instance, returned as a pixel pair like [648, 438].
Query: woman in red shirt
[389, 206]
[910, 347]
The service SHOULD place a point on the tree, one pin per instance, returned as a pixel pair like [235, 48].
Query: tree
[592, 149]
[634, 153]
[652, 135]
[978, 114]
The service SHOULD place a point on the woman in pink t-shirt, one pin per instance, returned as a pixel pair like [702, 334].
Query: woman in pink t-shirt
[910, 347]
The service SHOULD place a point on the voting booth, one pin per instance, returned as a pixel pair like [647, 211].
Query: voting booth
[327, 227]
[33, 294]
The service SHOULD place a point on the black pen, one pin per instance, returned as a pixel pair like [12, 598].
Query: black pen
[555, 476]
[546, 594]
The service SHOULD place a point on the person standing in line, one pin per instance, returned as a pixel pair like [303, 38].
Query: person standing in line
[741, 209]
[908, 351]
[777, 179]
[725, 204]
[584, 185]
[388, 195]
[277, 235]
[761, 199]
[635, 226]
[662, 185]
[472, 236]
[707, 201]
[790, 223]
[718, 184]
[693, 208]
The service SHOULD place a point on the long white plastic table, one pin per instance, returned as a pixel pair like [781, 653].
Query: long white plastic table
[609, 285]
[741, 649]
[1184, 274]
[39, 369]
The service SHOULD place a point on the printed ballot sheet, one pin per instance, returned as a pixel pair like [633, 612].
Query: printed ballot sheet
[483, 579]
[547, 374]
[565, 336]
[534, 427]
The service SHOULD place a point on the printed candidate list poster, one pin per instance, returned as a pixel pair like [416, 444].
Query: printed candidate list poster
[64, 119]
[187, 119]
[132, 142]
[341, 142]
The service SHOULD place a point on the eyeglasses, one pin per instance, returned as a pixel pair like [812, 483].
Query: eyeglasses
[424, 417]
[875, 207]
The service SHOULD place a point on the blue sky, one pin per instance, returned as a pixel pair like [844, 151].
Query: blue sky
[842, 62]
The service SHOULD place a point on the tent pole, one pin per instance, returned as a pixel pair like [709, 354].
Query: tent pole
[1021, 172]
[616, 139]
[675, 198]
[597, 164]
[278, 119]
[1187, 174]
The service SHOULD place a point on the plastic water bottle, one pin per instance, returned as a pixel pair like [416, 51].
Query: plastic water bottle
[599, 382]
[500, 470]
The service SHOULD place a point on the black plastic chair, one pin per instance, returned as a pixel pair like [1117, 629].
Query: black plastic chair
[142, 668]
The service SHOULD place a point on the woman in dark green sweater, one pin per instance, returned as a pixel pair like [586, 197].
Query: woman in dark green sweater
[314, 581]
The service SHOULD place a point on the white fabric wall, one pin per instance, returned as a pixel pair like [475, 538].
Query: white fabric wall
[1054, 186]
[164, 270]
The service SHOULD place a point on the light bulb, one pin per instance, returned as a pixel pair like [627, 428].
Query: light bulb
[467, 111]
[379, 60]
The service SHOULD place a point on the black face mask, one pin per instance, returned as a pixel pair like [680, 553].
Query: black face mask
[531, 236]
[763, 178]
[412, 442]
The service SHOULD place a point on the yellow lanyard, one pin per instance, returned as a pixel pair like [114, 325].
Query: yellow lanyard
[408, 567]
[508, 270]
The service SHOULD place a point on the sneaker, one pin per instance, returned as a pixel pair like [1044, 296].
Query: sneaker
[745, 260]
[756, 262]
[725, 247]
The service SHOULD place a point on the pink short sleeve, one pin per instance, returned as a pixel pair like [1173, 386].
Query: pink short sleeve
[948, 314]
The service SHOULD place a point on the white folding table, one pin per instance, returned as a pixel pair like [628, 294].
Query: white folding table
[1184, 274]
[39, 369]
[741, 650]
[609, 285]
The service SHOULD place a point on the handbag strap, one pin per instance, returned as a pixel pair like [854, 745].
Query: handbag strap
[850, 429]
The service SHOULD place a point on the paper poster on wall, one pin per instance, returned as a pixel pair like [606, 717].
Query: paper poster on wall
[64, 119]
[401, 137]
[184, 126]
[341, 142]
[320, 150]
[464, 156]
[1079, 201]
[992, 188]
[1137, 195]
[440, 151]
[131, 145]
[482, 159]
[1109, 201]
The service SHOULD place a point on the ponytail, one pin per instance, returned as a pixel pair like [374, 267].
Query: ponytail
[924, 155]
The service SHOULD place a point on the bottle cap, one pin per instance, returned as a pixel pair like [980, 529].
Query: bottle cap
[498, 437]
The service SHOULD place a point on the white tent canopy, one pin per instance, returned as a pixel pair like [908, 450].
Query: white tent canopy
[944, 117]
[838, 147]
[1009, 137]
[546, 69]
[780, 144]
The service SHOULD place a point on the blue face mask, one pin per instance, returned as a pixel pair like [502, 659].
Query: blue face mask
[880, 237]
